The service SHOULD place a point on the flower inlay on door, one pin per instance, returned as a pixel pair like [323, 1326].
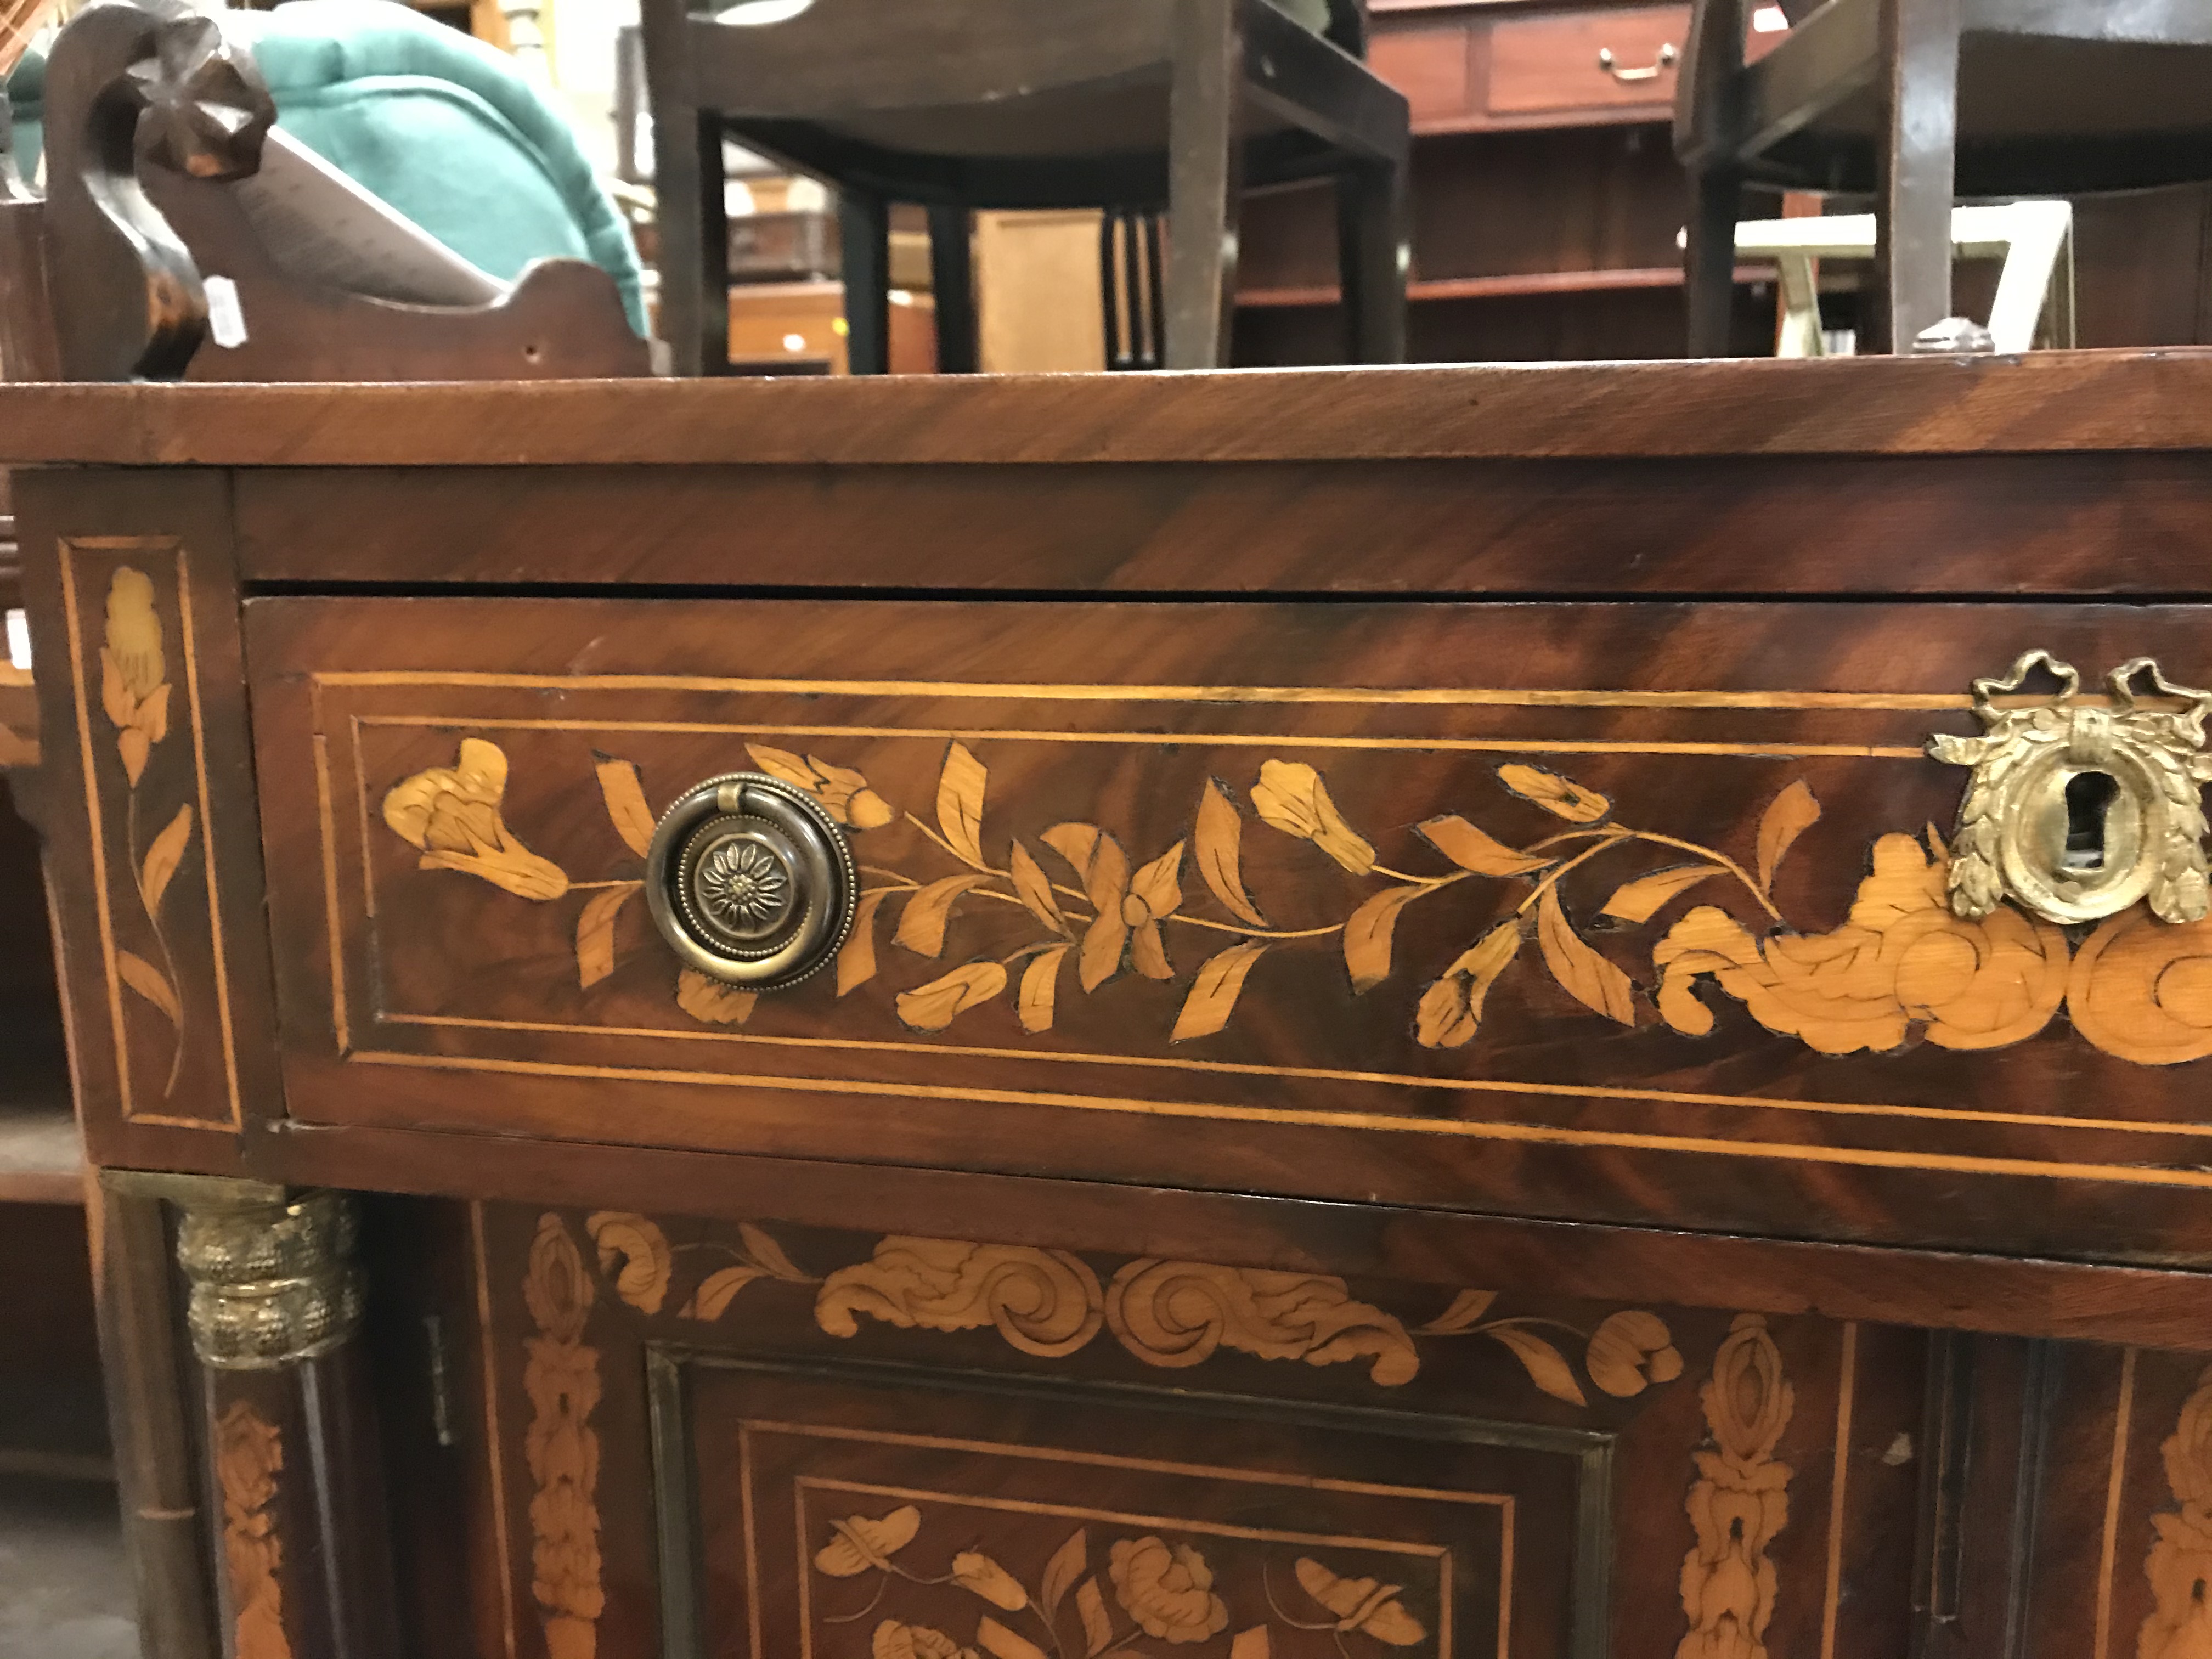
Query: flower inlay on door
[1143, 1592]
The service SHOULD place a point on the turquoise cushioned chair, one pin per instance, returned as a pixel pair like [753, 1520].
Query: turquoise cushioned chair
[444, 127]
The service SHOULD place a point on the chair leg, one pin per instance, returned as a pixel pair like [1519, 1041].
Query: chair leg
[952, 277]
[695, 240]
[1709, 261]
[1372, 255]
[864, 228]
[1205, 166]
[1918, 167]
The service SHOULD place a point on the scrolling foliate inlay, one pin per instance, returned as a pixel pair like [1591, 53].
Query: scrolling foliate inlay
[1904, 965]
[1169, 1314]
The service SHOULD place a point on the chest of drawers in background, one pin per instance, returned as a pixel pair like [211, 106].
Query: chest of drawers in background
[1546, 203]
[1416, 1055]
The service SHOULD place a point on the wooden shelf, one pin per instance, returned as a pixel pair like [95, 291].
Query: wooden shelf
[1424, 290]
[41, 1159]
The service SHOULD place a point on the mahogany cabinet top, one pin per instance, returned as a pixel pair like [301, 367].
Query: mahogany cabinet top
[2050, 401]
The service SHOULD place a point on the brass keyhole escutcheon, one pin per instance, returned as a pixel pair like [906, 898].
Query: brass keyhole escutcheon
[2079, 809]
[750, 882]
[2089, 798]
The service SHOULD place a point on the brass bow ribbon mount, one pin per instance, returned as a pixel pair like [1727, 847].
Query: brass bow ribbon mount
[2076, 812]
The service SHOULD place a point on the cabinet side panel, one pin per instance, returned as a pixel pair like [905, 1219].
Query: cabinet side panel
[147, 796]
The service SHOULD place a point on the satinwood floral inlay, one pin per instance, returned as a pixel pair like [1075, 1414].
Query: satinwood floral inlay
[1168, 1315]
[1904, 967]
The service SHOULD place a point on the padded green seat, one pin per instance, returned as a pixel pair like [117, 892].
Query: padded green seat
[444, 127]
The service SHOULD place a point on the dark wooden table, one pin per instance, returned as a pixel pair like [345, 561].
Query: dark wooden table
[1427, 1062]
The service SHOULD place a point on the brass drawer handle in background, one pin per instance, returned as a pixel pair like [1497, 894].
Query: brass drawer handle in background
[1628, 77]
[750, 881]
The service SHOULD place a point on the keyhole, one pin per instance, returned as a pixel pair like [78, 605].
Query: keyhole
[2089, 795]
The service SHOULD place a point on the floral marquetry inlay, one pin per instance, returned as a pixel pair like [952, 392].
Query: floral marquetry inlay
[1905, 965]
[134, 694]
[561, 1378]
[249, 1457]
[1741, 1501]
[2179, 1566]
[1092, 1602]
[1170, 1316]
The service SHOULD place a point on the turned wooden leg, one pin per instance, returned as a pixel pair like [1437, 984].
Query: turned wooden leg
[1205, 183]
[1709, 261]
[1918, 163]
[148, 1401]
[294, 1486]
[1372, 256]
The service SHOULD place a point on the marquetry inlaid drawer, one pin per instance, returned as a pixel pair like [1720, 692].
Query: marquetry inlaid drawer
[1601, 911]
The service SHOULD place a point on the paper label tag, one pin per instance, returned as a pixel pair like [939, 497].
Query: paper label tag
[19, 640]
[226, 317]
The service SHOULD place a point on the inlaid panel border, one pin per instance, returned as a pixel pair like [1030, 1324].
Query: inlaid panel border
[2176, 1170]
[169, 552]
[674, 1474]
[1157, 1523]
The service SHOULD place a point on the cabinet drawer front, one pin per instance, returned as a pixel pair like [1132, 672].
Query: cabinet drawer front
[1429, 66]
[1558, 62]
[1632, 912]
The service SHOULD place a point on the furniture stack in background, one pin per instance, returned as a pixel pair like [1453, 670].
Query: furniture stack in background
[1545, 196]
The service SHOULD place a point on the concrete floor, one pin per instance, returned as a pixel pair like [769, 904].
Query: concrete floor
[64, 1590]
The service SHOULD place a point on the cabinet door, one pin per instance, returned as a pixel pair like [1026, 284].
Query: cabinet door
[763, 1441]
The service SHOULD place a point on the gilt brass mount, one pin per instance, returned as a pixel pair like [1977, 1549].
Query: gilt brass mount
[272, 1275]
[2076, 810]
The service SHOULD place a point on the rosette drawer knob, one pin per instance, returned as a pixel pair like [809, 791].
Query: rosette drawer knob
[750, 882]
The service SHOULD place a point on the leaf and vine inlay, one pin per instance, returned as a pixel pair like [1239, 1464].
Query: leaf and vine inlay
[134, 694]
[1156, 1587]
[1904, 966]
[1170, 1315]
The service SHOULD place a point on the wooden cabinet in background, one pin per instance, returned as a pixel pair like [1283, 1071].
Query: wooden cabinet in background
[1038, 292]
[1546, 203]
[1546, 199]
[798, 328]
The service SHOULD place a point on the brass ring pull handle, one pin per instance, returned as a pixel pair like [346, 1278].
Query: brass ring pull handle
[1606, 62]
[750, 881]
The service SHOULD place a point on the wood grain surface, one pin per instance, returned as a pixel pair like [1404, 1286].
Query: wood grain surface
[2047, 402]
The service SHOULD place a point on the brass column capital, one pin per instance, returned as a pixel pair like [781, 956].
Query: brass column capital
[272, 1275]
